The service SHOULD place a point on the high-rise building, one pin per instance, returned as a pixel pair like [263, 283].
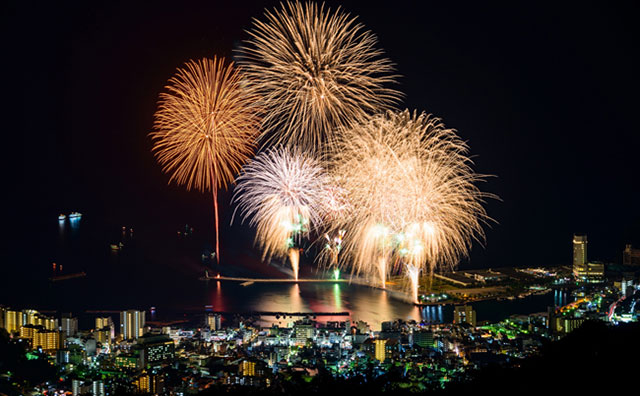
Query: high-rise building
[303, 330]
[28, 331]
[69, 325]
[214, 321]
[103, 322]
[464, 314]
[247, 368]
[97, 388]
[155, 350]
[149, 383]
[12, 321]
[580, 256]
[380, 350]
[48, 340]
[132, 324]
[630, 256]
[30, 317]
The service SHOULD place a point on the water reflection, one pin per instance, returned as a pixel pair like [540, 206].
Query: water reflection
[432, 314]
[373, 306]
[337, 300]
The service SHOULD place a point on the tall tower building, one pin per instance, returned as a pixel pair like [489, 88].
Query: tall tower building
[69, 326]
[12, 321]
[630, 256]
[464, 314]
[580, 256]
[214, 321]
[131, 324]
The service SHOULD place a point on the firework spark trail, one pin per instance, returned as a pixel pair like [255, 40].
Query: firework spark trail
[413, 273]
[205, 127]
[412, 193]
[283, 194]
[315, 70]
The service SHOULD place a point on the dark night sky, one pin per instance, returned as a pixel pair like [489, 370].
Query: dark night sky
[546, 96]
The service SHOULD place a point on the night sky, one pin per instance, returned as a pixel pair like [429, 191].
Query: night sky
[545, 95]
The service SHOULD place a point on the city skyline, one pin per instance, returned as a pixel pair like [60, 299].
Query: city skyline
[431, 197]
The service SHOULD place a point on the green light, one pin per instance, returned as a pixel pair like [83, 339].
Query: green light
[336, 274]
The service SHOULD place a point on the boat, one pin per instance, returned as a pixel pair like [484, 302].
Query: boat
[75, 215]
[115, 247]
[61, 217]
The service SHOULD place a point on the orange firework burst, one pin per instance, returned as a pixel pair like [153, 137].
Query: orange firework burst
[314, 71]
[205, 127]
[413, 195]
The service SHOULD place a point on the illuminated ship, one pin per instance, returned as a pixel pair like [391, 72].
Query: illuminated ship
[75, 215]
[61, 217]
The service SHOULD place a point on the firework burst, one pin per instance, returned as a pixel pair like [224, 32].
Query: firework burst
[283, 194]
[205, 127]
[314, 70]
[414, 202]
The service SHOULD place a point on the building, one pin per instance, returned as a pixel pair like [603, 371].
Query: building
[595, 272]
[101, 323]
[69, 325]
[564, 324]
[155, 350]
[247, 368]
[103, 336]
[580, 256]
[29, 331]
[97, 388]
[380, 349]
[214, 321]
[149, 383]
[127, 361]
[48, 340]
[12, 321]
[423, 339]
[303, 330]
[132, 324]
[631, 256]
[464, 314]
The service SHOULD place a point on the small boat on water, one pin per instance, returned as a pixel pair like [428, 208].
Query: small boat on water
[115, 247]
[75, 215]
[61, 217]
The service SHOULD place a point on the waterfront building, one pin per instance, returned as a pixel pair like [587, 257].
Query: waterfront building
[464, 314]
[132, 324]
[214, 321]
[631, 256]
[580, 256]
[303, 330]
